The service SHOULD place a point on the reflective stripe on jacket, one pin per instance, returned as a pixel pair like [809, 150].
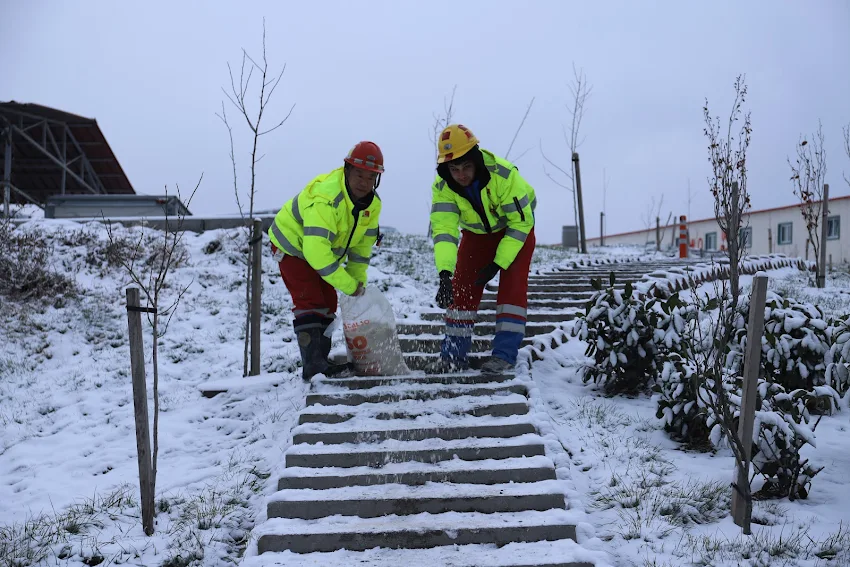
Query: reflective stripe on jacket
[318, 225]
[508, 202]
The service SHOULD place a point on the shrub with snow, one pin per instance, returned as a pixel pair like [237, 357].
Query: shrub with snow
[837, 359]
[26, 266]
[628, 334]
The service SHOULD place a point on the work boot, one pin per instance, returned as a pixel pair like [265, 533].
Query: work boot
[496, 365]
[333, 370]
[446, 366]
[313, 360]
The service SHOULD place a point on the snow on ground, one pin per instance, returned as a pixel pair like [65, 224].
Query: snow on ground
[68, 469]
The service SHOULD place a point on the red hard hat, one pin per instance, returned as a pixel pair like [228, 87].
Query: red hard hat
[366, 155]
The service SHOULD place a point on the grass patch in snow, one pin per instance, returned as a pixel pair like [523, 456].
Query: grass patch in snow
[764, 548]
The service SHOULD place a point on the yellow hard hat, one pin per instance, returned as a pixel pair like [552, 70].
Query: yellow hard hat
[455, 141]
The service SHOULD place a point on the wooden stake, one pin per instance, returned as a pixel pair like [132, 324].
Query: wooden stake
[256, 291]
[742, 506]
[140, 405]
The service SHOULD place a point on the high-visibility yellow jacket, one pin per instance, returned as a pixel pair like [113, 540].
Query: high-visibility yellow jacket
[322, 226]
[508, 203]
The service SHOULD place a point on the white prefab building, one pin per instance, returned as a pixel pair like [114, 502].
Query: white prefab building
[781, 230]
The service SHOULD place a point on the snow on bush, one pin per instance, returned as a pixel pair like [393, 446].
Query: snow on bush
[26, 267]
[837, 358]
[627, 335]
[639, 340]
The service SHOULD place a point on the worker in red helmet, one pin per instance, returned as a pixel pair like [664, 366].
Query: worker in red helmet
[322, 240]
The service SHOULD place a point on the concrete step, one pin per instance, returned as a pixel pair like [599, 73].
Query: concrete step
[533, 316]
[486, 471]
[540, 305]
[533, 298]
[497, 405]
[419, 531]
[552, 288]
[418, 360]
[346, 455]
[413, 330]
[364, 383]
[559, 553]
[404, 500]
[479, 344]
[493, 409]
[581, 279]
[417, 392]
[367, 431]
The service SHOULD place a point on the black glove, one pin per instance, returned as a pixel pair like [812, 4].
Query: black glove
[445, 296]
[487, 273]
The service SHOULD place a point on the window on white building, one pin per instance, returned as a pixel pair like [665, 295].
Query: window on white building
[784, 233]
[745, 238]
[711, 241]
[833, 228]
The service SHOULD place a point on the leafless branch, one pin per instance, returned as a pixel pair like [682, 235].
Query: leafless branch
[519, 157]
[239, 98]
[527, 110]
[568, 175]
[846, 131]
[441, 121]
[808, 173]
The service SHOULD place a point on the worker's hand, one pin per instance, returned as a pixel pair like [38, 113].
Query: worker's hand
[445, 295]
[487, 273]
[361, 289]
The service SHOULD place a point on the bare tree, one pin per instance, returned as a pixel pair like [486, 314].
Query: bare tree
[442, 120]
[808, 173]
[240, 98]
[148, 262]
[727, 154]
[651, 215]
[728, 181]
[846, 131]
[580, 91]
[508, 153]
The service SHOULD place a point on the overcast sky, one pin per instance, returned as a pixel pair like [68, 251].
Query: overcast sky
[151, 74]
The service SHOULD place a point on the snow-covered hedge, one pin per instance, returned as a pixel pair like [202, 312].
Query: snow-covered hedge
[668, 281]
[627, 334]
[638, 339]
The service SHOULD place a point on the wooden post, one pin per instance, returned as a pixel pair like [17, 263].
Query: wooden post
[583, 241]
[601, 229]
[256, 291]
[830, 263]
[821, 279]
[769, 240]
[140, 405]
[742, 506]
[657, 234]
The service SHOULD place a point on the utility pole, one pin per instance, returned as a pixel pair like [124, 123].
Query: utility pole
[821, 278]
[602, 228]
[583, 241]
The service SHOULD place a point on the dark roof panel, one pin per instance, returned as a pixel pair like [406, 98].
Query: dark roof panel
[40, 176]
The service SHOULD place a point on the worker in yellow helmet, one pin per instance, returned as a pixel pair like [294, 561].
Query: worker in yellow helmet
[485, 198]
[322, 240]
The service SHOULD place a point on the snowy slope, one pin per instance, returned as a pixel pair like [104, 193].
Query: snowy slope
[69, 494]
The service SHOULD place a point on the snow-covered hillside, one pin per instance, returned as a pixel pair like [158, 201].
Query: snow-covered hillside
[69, 490]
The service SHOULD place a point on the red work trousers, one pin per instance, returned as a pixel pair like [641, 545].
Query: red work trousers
[314, 299]
[475, 252]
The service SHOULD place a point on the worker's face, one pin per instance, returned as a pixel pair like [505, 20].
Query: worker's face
[361, 182]
[463, 173]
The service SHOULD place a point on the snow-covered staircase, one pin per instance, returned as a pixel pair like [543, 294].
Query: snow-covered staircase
[429, 470]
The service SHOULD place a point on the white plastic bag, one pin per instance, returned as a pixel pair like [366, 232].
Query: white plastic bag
[368, 324]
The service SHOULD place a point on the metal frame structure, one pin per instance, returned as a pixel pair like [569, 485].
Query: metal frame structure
[51, 153]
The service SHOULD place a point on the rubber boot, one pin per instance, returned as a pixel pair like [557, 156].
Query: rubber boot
[312, 359]
[332, 370]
